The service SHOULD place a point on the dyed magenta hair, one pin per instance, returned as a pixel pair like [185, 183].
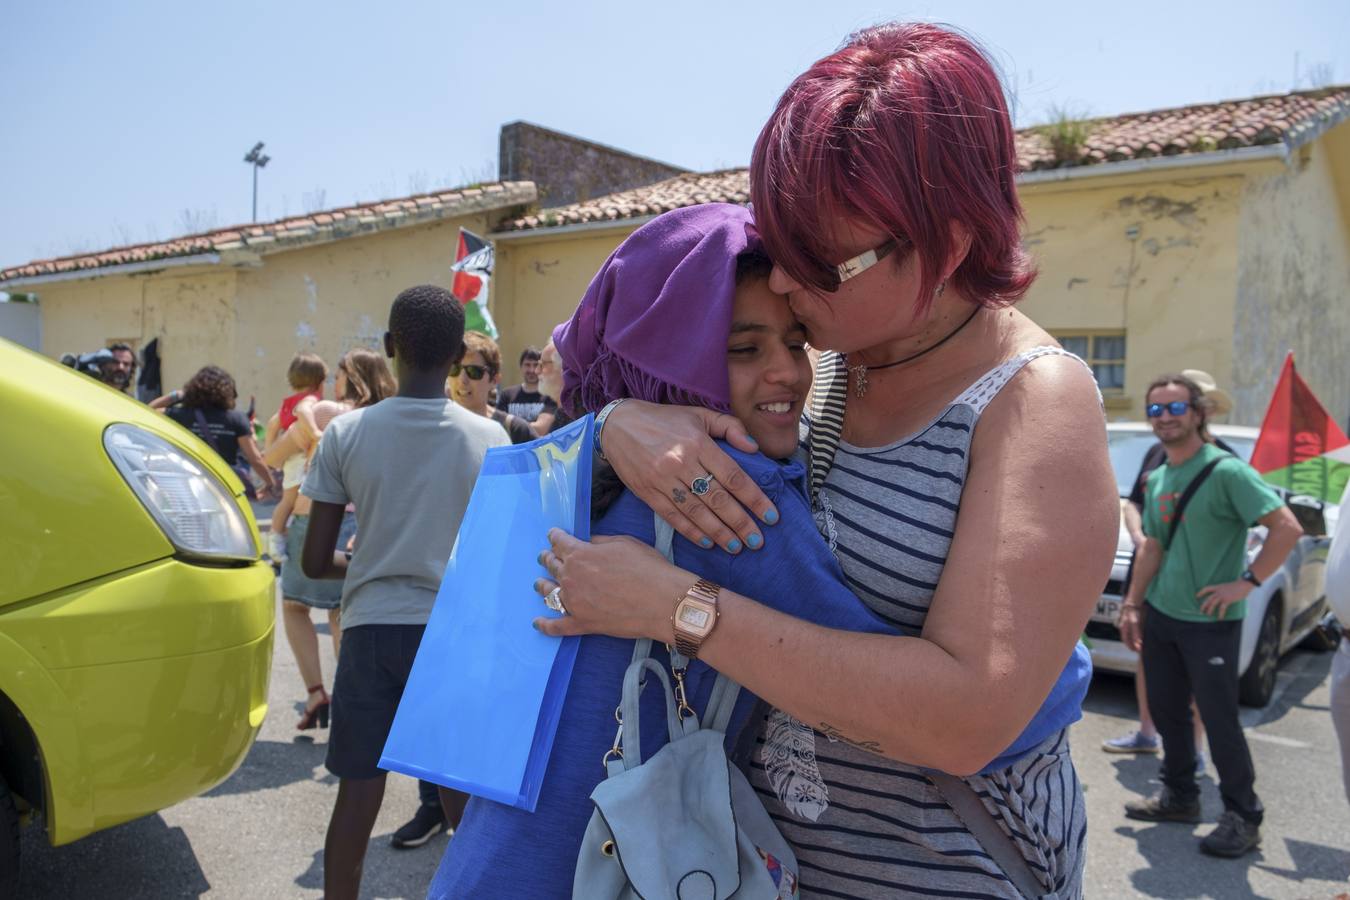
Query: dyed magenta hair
[905, 129]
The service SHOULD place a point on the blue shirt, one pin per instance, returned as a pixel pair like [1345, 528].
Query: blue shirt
[500, 851]
[504, 852]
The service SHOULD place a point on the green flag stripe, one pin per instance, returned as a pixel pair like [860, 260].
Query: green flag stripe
[1319, 477]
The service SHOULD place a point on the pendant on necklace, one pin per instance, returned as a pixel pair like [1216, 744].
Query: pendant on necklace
[859, 380]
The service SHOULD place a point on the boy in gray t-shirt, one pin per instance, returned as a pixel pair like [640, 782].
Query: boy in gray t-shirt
[408, 463]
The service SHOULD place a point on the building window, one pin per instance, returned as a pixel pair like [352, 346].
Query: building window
[1104, 352]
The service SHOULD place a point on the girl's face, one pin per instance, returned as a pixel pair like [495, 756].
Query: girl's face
[767, 368]
[340, 383]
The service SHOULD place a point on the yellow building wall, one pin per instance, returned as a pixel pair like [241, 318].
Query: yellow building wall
[538, 283]
[191, 311]
[1293, 275]
[330, 298]
[251, 320]
[1156, 259]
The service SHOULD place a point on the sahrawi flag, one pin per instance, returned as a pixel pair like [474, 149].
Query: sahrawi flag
[1301, 448]
[473, 266]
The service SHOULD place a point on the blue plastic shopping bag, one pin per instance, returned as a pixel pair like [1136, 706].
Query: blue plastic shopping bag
[482, 704]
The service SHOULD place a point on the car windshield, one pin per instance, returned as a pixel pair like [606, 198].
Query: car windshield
[1128, 449]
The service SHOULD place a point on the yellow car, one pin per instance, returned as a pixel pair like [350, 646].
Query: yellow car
[136, 617]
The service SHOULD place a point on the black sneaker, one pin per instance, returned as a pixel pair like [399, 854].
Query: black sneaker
[1232, 837]
[425, 824]
[1163, 807]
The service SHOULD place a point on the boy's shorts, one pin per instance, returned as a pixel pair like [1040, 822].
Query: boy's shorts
[372, 671]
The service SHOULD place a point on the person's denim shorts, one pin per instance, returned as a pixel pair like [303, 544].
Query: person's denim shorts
[372, 671]
[320, 593]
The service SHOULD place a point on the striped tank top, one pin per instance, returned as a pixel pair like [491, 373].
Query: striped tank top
[869, 827]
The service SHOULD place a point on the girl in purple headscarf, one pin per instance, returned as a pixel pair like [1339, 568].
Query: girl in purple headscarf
[680, 313]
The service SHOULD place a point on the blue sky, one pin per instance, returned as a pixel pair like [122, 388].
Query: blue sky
[129, 122]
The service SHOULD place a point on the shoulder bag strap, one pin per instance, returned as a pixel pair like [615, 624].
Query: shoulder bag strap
[1186, 496]
[963, 800]
[828, 398]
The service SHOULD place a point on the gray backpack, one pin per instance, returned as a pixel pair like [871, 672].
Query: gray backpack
[684, 823]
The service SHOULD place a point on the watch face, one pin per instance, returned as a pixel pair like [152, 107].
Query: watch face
[693, 617]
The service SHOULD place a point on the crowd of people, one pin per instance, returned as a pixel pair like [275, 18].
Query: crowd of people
[893, 529]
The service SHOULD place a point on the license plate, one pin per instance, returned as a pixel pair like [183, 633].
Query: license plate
[1108, 610]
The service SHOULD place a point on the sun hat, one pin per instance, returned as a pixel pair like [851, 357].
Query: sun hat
[1220, 401]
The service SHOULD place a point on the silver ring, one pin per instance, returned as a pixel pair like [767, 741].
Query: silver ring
[553, 600]
[702, 484]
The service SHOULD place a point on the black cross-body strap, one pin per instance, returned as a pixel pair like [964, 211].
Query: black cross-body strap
[828, 398]
[1186, 496]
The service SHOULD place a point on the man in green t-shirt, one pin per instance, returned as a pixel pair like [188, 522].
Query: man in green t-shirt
[1183, 613]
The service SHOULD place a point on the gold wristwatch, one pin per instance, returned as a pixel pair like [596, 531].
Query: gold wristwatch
[695, 617]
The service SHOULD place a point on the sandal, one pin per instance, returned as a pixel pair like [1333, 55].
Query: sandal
[315, 716]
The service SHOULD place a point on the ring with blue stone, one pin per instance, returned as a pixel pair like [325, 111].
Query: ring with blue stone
[702, 484]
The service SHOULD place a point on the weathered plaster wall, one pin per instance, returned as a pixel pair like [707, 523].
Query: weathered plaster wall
[331, 298]
[1293, 289]
[1155, 258]
[538, 284]
[190, 310]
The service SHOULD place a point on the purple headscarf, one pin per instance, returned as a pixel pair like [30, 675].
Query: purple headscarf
[654, 321]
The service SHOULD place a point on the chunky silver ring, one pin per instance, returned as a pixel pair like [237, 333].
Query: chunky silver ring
[702, 484]
[553, 600]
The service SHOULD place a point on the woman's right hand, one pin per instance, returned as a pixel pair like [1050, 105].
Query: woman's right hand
[658, 451]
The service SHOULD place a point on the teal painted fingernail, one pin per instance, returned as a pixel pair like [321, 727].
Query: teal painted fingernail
[705, 542]
[534, 624]
[771, 517]
[734, 546]
[754, 541]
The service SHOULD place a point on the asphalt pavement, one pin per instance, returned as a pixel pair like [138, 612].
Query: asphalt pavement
[260, 834]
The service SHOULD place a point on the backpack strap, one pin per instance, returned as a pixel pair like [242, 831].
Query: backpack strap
[1186, 496]
[722, 700]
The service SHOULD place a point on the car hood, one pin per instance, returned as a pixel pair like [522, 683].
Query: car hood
[66, 514]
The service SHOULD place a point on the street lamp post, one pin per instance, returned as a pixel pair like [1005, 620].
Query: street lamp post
[256, 158]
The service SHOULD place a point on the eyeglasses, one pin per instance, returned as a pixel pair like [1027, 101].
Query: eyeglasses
[852, 268]
[1176, 408]
[474, 372]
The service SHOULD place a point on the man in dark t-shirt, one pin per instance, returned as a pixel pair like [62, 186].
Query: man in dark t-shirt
[524, 400]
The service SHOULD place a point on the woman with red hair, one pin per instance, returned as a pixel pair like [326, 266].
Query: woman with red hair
[959, 472]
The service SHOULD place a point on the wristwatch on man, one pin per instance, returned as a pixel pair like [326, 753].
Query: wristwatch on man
[1249, 575]
[695, 617]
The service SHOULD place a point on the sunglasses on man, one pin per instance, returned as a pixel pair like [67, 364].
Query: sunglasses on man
[475, 373]
[1176, 408]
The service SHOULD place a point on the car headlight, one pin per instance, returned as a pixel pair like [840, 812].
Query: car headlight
[191, 505]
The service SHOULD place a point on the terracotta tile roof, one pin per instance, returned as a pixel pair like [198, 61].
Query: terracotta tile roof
[1229, 125]
[268, 237]
[1289, 118]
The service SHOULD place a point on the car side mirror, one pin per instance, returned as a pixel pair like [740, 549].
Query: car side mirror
[1310, 514]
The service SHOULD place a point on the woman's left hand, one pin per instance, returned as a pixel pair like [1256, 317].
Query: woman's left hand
[611, 585]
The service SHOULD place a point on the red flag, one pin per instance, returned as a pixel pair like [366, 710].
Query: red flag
[1301, 448]
[469, 280]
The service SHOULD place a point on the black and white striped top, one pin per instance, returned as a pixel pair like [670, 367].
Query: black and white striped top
[868, 827]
